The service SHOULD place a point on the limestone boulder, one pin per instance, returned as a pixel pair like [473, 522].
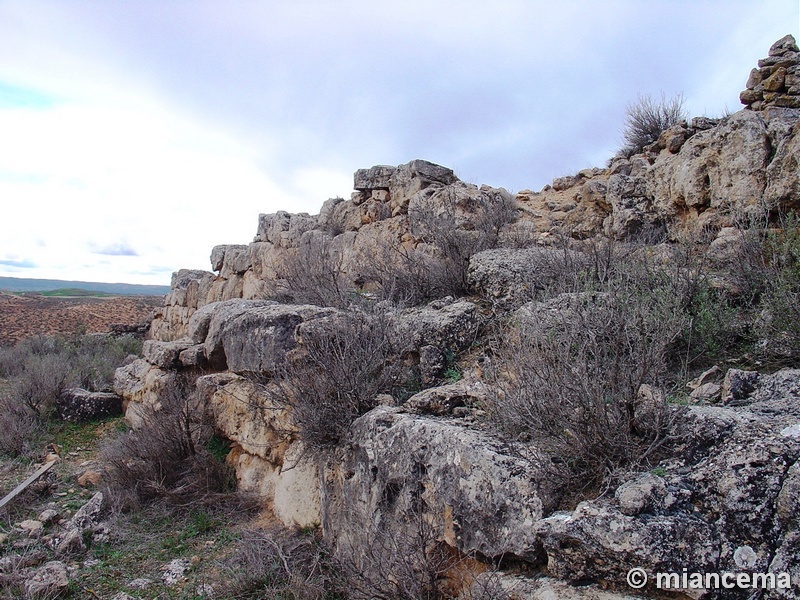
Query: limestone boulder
[511, 277]
[165, 355]
[597, 542]
[80, 406]
[448, 324]
[374, 178]
[48, 581]
[141, 385]
[576, 211]
[283, 229]
[633, 211]
[722, 168]
[248, 413]
[268, 459]
[783, 172]
[723, 503]
[410, 178]
[230, 259]
[444, 399]
[253, 336]
[468, 488]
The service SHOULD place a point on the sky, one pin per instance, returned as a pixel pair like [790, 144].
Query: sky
[135, 135]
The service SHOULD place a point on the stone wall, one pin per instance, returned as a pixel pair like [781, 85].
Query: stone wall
[776, 81]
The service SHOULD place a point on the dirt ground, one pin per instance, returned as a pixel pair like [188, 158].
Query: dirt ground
[26, 316]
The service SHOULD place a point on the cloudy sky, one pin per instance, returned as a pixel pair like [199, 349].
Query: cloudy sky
[136, 135]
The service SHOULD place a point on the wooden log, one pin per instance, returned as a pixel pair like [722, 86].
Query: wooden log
[22, 486]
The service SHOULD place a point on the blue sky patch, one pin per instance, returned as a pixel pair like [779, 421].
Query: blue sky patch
[19, 264]
[12, 96]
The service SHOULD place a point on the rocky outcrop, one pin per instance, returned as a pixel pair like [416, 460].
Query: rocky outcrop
[466, 486]
[423, 472]
[722, 497]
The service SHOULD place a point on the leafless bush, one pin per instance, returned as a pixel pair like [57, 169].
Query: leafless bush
[409, 560]
[40, 368]
[21, 428]
[165, 458]
[456, 225]
[348, 361]
[407, 276]
[41, 382]
[279, 564]
[568, 378]
[313, 273]
[647, 118]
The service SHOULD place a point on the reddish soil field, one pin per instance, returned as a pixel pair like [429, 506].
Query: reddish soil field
[26, 316]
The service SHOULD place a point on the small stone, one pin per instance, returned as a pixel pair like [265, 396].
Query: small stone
[737, 386]
[707, 391]
[49, 581]
[786, 44]
[140, 583]
[175, 571]
[774, 83]
[86, 517]
[750, 96]
[32, 527]
[705, 377]
[792, 431]
[89, 478]
[745, 557]
[205, 590]
[49, 516]
[72, 543]
[3, 538]
[640, 495]
[754, 79]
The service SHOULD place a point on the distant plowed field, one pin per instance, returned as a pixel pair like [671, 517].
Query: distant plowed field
[25, 316]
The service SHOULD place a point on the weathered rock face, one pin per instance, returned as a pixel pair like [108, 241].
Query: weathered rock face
[722, 504]
[268, 459]
[466, 486]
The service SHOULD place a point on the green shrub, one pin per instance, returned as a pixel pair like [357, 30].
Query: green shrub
[780, 302]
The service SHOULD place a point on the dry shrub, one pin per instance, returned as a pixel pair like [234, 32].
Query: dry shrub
[457, 225]
[41, 382]
[406, 276]
[569, 376]
[348, 360]
[401, 556]
[282, 564]
[22, 429]
[166, 457]
[647, 118]
[313, 273]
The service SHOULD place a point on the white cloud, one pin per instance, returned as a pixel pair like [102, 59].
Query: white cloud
[165, 128]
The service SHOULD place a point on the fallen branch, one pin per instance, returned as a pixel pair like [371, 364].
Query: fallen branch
[22, 486]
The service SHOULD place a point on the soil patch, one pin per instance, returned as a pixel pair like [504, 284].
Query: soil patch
[31, 315]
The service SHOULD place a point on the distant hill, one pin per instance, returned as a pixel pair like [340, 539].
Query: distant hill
[77, 288]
